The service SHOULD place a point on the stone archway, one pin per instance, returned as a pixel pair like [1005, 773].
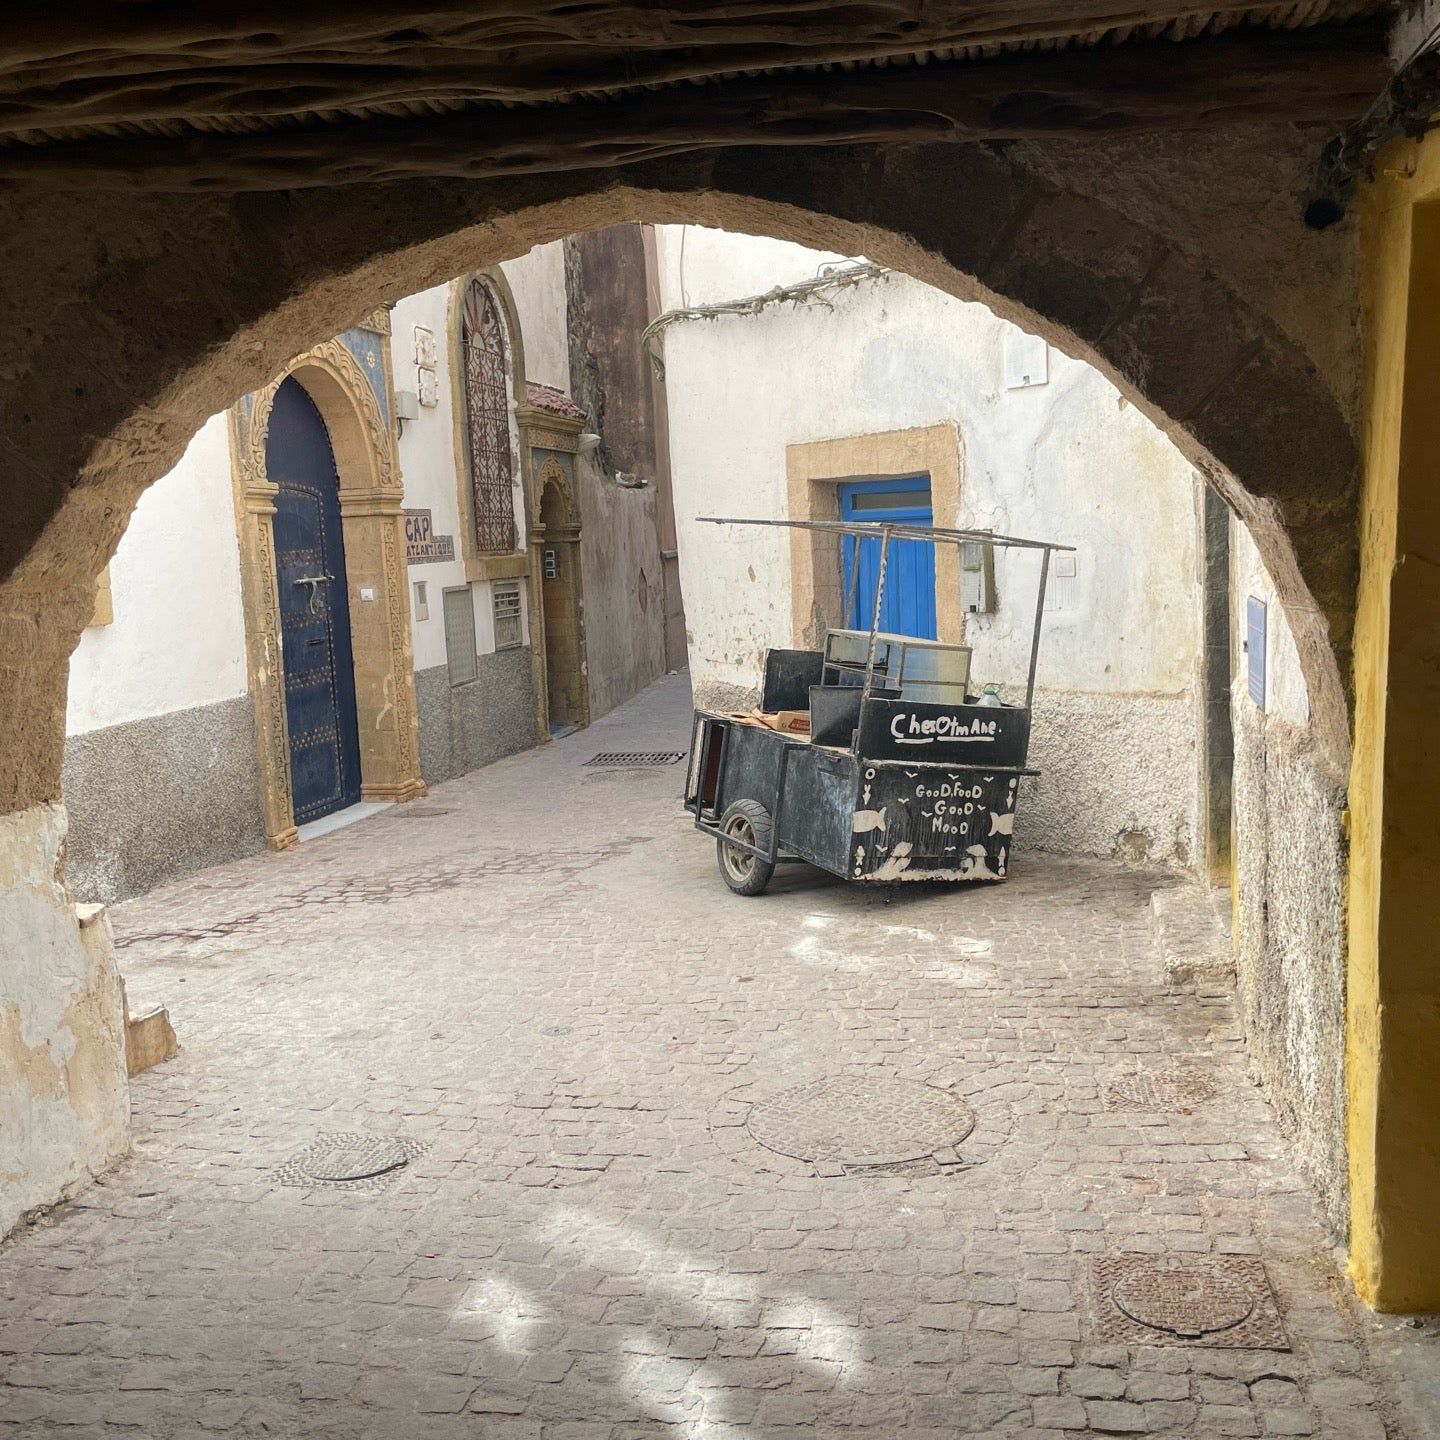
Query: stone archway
[371, 502]
[1178, 268]
[1120, 253]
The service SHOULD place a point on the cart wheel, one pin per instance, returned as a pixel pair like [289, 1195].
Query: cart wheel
[749, 822]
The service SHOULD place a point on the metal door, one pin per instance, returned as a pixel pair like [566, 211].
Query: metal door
[314, 608]
[908, 605]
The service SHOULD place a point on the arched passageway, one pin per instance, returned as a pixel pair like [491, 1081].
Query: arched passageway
[1112, 250]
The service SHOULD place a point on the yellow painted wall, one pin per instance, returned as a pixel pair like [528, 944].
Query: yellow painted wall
[1393, 1000]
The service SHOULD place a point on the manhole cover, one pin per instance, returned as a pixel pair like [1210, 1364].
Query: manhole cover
[1215, 1301]
[1183, 1299]
[860, 1120]
[349, 1161]
[1159, 1091]
[637, 759]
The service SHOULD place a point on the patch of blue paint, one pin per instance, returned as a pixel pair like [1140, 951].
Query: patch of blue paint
[364, 345]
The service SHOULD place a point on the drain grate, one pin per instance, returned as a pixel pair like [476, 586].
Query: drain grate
[347, 1161]
[1217, 1301]
[867, 1121]
[637, 759]
[1160, 1091]
[406, 812]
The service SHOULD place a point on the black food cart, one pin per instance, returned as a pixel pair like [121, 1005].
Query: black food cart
[871, 757]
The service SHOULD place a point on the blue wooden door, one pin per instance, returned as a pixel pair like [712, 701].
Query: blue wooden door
[908, 605]
[314, 608]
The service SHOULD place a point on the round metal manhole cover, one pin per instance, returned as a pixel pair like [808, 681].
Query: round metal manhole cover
[1160, 1091]
[1185, 1300]
[860, 1120]
[360, 1161]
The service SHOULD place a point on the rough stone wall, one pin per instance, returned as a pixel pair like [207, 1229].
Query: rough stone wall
[622, 573]
[1290, 962]
[467, 726]
[64, 1099]
[157, 798]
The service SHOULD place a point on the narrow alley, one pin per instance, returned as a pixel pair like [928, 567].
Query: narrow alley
[638, 1157]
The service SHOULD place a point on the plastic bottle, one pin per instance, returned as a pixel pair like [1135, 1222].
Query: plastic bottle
[990, 695]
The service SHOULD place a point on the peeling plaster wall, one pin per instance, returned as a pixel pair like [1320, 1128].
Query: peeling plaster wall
[1116, 728]
[64, 1099]
[1290, 867]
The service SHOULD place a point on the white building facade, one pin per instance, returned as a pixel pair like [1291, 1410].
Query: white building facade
[776, 411]
[479, 555]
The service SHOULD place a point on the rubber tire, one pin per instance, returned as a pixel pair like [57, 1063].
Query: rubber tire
[753, 815]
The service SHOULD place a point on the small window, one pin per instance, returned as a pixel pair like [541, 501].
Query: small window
[422, 600]
[460, 636]
[505, 596]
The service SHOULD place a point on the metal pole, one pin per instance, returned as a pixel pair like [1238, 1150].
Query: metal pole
[854, 584]
[875, 614]
[1039, 618]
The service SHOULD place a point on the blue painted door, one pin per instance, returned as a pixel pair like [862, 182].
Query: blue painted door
[908, 605]
[314, 608]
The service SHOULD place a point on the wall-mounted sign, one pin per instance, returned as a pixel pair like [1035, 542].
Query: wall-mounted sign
[422, 545]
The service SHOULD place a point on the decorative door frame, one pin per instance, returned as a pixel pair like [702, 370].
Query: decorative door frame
[519, 564]
[553, 473]
[371, 505]
[814, 472]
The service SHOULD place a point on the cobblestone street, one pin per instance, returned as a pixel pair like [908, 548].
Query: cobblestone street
[616, 1219]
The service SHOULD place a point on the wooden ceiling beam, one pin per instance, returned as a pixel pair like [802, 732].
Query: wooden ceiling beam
[110, 62]
[1323, 75]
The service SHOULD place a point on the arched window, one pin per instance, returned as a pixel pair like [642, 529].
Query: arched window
[487, 421]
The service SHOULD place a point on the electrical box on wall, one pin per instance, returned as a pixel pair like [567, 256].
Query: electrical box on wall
[1062, 589]
[1255, 646]
[977, 577]
[425, 346]
[427, 389]
[1026, 361]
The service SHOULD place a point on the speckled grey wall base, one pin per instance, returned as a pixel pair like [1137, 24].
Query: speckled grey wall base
[1119, 773]
[1290, 963]
[467, 726]
[154, 799]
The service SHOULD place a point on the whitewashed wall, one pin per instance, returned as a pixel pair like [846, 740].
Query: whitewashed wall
[428, 467]
[1069, 460]
[178, 561]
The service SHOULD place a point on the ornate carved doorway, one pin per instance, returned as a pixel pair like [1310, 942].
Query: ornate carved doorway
[560, 590]
[314, 602]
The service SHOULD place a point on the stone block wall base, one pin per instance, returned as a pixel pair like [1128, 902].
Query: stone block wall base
[398, 793]
[285, 839]
[1194, 945]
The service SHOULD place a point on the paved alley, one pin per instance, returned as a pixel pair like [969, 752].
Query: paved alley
[640, 1158]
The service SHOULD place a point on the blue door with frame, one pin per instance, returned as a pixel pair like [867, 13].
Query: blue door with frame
[314, 608]
[908, 605]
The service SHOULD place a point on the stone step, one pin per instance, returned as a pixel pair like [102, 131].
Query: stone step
[1191, 935]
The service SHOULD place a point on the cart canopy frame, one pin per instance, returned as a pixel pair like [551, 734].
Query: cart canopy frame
[928, 534]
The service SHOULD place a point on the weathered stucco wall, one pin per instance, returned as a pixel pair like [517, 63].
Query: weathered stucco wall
[1290, 859]
[621, 566]
[64, 1100]
[178, 560]
[466, 726]
[1067, 459]
[154, 799]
